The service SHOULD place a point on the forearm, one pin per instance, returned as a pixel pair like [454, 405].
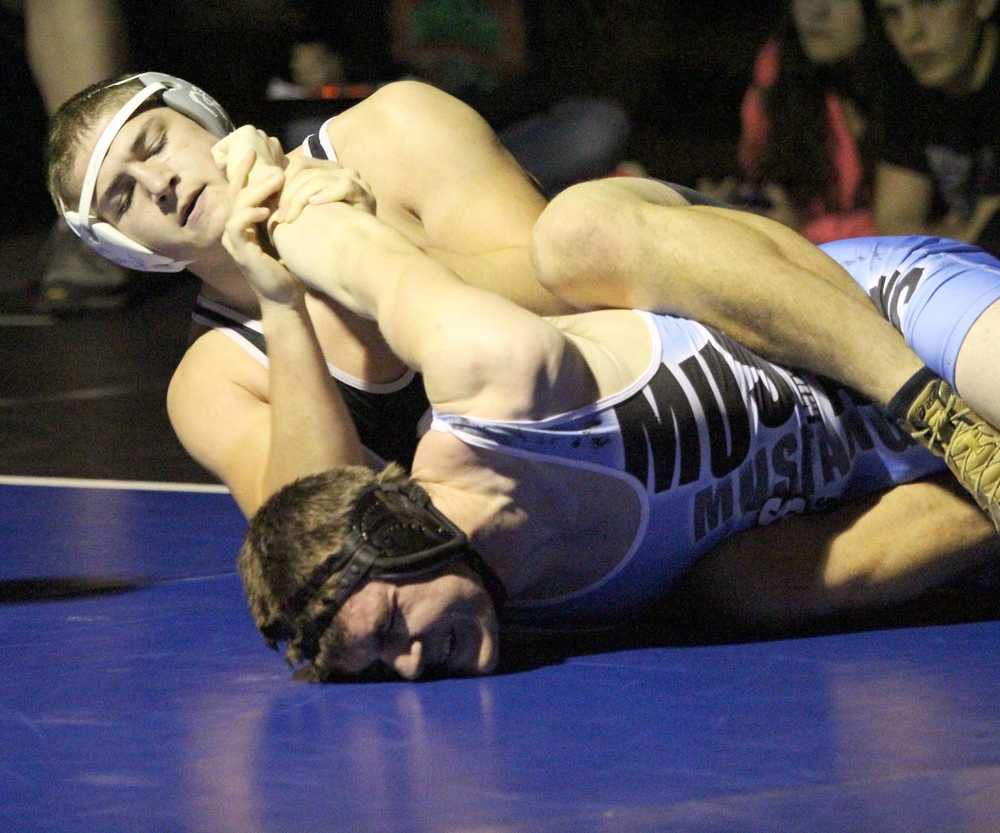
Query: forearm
[464, 340]
[372, 270]
[311, 428]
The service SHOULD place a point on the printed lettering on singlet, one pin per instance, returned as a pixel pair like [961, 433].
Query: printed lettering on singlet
[887, 293]
[663, 443]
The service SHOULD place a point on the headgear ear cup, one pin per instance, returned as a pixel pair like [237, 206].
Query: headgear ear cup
[192, 102]
[105, 239]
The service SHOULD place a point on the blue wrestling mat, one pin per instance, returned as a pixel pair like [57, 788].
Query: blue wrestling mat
[138, 697]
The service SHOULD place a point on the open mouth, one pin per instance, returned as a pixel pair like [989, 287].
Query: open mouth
[189, 208]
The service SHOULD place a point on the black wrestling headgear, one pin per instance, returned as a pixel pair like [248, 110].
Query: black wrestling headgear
[395, 533]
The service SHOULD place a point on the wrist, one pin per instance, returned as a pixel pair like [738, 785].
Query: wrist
[291, 302]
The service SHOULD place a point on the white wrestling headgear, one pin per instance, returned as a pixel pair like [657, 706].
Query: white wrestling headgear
[104, 238]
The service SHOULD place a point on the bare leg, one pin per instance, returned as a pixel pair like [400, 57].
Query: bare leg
[630, 243]
[73, 43]
[976, 372]
[881, 550]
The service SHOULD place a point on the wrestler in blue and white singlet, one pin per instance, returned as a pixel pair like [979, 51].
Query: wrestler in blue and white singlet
[714, 439]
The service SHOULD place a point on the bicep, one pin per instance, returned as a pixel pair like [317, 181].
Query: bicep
[221, 423]
[880, 550]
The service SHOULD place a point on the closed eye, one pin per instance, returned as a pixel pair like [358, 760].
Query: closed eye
[125, 200]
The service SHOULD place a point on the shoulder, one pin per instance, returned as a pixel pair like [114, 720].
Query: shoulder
[408, 106]
[431, 158]
[209, 370]
[407, 136]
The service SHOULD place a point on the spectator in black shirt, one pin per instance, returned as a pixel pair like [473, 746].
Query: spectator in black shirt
[940, 166]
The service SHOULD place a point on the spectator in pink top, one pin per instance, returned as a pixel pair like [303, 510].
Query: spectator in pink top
[808, 142]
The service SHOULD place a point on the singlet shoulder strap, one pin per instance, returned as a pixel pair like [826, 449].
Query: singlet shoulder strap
[246, 332]
[318, 145]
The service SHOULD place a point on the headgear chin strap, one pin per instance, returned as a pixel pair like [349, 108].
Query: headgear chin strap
[104, 238]
[395, 533]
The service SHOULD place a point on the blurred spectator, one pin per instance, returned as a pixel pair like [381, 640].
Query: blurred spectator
[70, 44]
[809, 120]
[940, 168]
[467, 47]
[313, 65]
[486, 52]
[231, 47]
[482, 51]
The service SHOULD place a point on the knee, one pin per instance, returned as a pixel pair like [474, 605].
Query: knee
[574, 241]
[557, 232]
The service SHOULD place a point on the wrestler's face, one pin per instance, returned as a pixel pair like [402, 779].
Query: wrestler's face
[829, 30]
[937, 39]
[444, 625]
[159, 184]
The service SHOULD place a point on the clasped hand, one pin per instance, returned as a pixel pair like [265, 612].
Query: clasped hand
[266, 188]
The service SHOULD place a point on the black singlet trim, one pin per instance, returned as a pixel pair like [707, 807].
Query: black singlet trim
[251, 335]
[316, 147]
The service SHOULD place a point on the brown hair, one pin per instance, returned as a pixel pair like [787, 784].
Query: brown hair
[72, 122]
[297, 528]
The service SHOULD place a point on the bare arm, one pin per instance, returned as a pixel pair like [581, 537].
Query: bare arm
[477, 351]
[441, 175]
[880, 550]
[259, 430]
[311, 428]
